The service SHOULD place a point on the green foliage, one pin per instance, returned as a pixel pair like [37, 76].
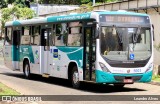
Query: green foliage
[111, 0]
[3, 4]
[26, 13]
[97, 1]
[5, 90]
[88, 3]
[68, 2]
[85, 1]
[19, 3]
[88, 7]
[9, 14]
[156, 78]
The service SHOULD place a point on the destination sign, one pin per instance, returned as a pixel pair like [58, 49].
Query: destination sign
[124, 19]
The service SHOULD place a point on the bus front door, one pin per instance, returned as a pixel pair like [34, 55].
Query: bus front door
[89, 53]
[15, 49]
[45, 50]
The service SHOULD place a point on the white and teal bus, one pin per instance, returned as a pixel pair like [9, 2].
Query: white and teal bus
[108, 47]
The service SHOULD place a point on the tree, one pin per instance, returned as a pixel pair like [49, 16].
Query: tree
[68, 2]
[26, 3]
[9, 14]
[3, 4]
[19, 3]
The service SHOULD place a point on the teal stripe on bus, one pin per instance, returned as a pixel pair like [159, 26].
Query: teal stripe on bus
[69, 17]
[105, 77]
[26, 51]
[15, 53]
[74, 53]
[16, 23]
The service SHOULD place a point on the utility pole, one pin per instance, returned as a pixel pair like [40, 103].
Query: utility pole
[37, 8]
[94, 2]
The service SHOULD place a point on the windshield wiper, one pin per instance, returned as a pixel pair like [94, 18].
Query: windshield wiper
[136, 35]
[119, 35]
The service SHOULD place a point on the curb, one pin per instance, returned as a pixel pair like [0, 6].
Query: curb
[154, 83]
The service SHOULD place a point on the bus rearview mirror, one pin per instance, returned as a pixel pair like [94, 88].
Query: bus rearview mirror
[153, 32]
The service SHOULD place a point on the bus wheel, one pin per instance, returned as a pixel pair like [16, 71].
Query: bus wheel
[26, 71]
[75, 77]
[119, 85]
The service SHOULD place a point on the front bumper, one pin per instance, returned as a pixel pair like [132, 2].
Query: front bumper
[104, 77]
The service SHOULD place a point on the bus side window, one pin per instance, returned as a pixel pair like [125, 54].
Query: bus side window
[75, 34]
[25, 38]
[8, 35]
[61, 34]
[53, 34]
[35, 37]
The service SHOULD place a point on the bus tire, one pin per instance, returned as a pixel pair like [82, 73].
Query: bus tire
[119, 85]
[75, 78]
[26, 70]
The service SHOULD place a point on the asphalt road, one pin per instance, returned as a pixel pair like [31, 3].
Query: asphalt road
[54, 86]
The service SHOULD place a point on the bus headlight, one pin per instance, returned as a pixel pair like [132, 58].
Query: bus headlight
[103, 67]
[149, 67]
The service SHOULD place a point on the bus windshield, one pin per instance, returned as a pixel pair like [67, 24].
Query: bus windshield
[123, 44]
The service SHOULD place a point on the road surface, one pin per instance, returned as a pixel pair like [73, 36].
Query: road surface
[54, 86]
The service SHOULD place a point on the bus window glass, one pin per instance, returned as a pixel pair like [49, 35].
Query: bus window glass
[50, 37]
[35, 38]
[75, 34]
[53, 34]
[118, 43]
[8, 38]
[148, 39]
[61, 34]
[25, 38]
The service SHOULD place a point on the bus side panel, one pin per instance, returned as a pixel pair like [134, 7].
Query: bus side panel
[58, 63]
[8, 57]
[15, 57]
[60, 57]
[26, 53]
[35, 66]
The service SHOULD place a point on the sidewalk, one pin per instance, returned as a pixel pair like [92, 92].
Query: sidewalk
[2, 63]
[155, 83]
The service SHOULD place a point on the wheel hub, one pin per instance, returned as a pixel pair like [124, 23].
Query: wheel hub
[26, 70]
[75, 77]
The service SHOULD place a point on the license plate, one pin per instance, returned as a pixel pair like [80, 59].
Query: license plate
[128, 80]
